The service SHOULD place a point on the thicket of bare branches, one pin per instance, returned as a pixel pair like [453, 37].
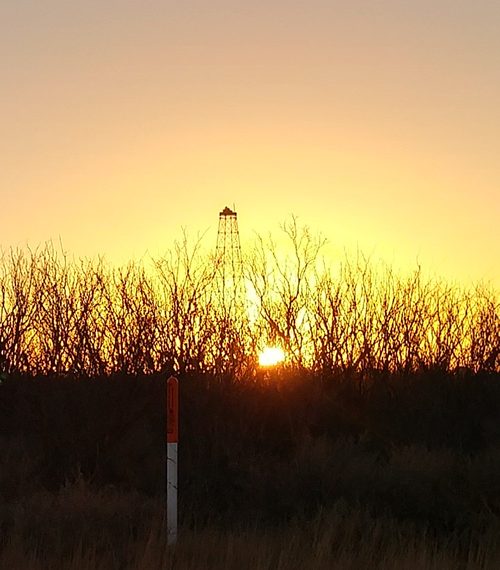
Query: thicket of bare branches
[88, 318]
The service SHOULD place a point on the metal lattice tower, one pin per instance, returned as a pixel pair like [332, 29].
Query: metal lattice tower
[228, 257]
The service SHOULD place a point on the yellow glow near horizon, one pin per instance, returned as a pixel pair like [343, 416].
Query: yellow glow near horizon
[123, 126]
[271, 356]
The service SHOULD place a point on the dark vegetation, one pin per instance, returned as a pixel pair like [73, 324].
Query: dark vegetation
[376, 444]
[262, 452]
[83, 459]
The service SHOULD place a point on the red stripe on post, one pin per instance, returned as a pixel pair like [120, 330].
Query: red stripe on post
[172, 410]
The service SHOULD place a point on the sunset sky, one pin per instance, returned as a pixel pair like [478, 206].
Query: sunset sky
[376, 122]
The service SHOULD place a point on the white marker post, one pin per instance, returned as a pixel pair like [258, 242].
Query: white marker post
[171, 467]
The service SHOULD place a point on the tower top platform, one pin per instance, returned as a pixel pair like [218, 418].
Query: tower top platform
[227, 212]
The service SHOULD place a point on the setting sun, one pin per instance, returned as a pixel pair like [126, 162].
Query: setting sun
[271, 356]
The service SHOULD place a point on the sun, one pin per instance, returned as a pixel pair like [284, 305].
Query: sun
[271, 356]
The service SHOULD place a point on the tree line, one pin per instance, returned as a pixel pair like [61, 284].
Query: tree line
[59, 316]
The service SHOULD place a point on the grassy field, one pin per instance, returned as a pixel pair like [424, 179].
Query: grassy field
[79, 529]
[300, 471]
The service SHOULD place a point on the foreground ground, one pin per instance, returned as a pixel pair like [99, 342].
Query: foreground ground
[301, 473]
[81, 530]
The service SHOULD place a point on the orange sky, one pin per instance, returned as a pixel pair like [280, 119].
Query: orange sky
[377, 123]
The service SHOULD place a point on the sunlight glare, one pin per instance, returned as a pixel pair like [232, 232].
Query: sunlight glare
[271, 356]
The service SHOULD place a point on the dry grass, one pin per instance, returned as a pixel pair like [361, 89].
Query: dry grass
[80, 529]
[309, 472]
